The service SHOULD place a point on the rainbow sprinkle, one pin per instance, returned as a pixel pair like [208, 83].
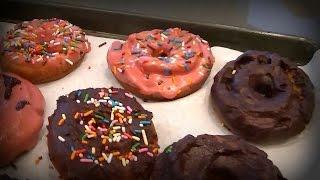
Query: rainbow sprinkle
[115, 127]
[34, 46]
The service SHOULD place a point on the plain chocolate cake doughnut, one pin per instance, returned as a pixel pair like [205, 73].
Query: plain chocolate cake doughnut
[208, 157]
[263, 96]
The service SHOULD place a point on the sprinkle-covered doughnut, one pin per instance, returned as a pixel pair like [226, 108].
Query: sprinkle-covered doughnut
[43, 50]
[161, 65]
[209, 157]
[263, 96]
[21, 116]
[102, 134]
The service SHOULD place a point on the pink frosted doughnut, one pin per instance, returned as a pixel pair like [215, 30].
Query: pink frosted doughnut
[161, 65]
[43, 50]
[21, 116]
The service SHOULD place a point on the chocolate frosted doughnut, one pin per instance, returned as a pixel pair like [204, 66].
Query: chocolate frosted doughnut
[102, 134]
[208, 157]
[43, 50]
[263, 97]
[21, 116]
[161, 65]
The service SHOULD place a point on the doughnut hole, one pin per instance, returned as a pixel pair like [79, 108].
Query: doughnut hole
[284, 65]
[160, 53]
[262, 59]
[263, 84]
[244, 60]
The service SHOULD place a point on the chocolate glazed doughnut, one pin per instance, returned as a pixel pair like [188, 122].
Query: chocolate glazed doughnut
[43, 50]
[208, 157]
[263, 97]
[102, 134]
[161, 65]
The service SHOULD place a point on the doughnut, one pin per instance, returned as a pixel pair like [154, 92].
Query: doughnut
[209, 157]
[102, 134]
[21, 110]
[43, 50]
[161, 64]
[263, 97]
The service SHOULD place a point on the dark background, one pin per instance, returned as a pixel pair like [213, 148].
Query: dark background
[300, 18]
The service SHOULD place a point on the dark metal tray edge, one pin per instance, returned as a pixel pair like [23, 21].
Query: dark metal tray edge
[106, 24]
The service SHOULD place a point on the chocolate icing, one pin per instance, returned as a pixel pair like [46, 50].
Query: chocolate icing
[263, 96]
[72, 131]
[208, 157]
[9, 83]
[21, 104]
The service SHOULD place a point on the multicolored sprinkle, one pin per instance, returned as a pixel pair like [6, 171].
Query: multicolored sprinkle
[109, 129]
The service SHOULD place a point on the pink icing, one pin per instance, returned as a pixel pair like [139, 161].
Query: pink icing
[19, 130]
[43, 50]
[181, 61]
[55, 37]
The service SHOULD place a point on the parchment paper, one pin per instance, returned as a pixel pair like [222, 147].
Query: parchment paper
[173, 120]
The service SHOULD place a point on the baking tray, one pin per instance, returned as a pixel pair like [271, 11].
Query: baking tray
[297, 158]
[118, 24]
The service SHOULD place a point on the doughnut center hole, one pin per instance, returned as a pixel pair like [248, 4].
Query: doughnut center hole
[263, 84]
[163, 54]
[160, 54]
